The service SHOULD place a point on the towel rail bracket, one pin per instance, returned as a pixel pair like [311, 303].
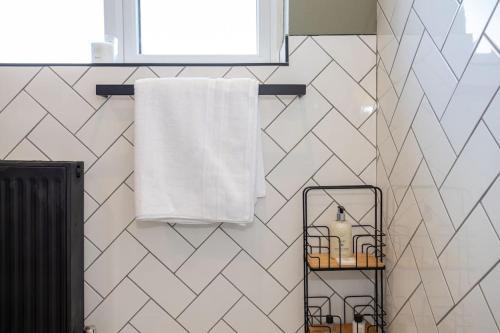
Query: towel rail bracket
[107, 90]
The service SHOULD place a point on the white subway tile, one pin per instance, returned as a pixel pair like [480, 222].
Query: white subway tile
[153, 319]
[470, 254]
[244, 317]
[437, 17]
[473, 172]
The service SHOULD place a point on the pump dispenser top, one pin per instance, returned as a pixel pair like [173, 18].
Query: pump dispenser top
[341, 213]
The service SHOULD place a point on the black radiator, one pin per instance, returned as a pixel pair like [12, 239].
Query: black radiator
[41, 247]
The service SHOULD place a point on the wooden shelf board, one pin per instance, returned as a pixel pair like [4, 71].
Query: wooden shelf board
[346, 328]
[319, 261]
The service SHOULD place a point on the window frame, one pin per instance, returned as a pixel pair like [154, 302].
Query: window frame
[121, 21]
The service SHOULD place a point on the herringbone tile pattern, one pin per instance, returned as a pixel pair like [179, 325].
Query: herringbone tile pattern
[148, 277]
[439, 162]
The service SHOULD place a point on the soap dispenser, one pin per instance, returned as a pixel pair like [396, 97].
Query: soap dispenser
[343, 230]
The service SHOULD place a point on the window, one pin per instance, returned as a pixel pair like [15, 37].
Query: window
[49, 31]
[143, 31]
[203, 31]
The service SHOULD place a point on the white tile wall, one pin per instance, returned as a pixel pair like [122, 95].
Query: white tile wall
[449, 154]
[153, 277]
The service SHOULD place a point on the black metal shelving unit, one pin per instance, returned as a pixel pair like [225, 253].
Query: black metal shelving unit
[320, 314]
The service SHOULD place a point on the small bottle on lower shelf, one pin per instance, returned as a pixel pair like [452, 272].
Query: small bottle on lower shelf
[358, 326]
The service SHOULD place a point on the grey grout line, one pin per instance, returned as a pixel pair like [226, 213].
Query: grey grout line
[457, 303]
[491, 132]
[195, 247]
[225, 322]
[211, 281]
[135, 314]
[22, 89]
[338, 64]
[25, 137]
[466, 143]
[470, 212]
[404, 304]
[495, 46]
[489, 307]
[159, 260]
[400, 41]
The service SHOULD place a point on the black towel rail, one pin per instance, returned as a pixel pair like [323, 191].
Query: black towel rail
[264, 89]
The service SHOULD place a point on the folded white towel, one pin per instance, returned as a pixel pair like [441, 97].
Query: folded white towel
[198, 154]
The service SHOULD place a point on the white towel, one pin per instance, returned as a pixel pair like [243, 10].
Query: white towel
[198, 154]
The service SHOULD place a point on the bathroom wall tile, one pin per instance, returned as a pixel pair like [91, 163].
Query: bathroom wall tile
[424, 320]
[152, 319]
[437, 17]
[273, 153]
[470, 254]
[489, 286]
[399, 16]
[12, 80]
[386, 95]
[26, 151]
[100, 75]
[298, 119]
[114, 264]
[462, 189]
[404, 321]
[466, 31]
[406, 52]
[222, 327]
[369, 82]
[204, 313]
[387, 43]
[493, 29]
[115, 311]
[107, 124]
[294, 42]
[110, 170]
[91, 299]
[405, 111]
[166, 289]
[470, 315]
[346, 283]
[244, 317]
[404, 279]
[269, 107]
[166, 71]
[17, 120]
[59, 99]
[89, 206]
[204, 71]
[128, 329]
[405, 167]
[90, 253]
[428, 266]
[305, 64]
[239, 72]
[405, 222]
[251, 279]
[139, 73]
[357, 203]
[434, 75]
[474, 92]
[196, 234]
[369, 129]
[288, 268]
[162, 241]
[370, 40]
[287, 223]
[266, 207]
[385, 144]
[289, 314]
[432, 140]
[431, 207]
[209, 258]
[258, 240]
[299, 165]
[59, 144]
[343, 139]
[348, 97]
[70, 74]
[490, 204]
[492, 117]
[111, 218]
[262, 72]
[350, 53]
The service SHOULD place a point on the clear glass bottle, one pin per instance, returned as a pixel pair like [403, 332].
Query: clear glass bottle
[343, 230]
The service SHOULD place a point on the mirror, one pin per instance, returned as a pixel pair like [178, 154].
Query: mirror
[143, 31]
